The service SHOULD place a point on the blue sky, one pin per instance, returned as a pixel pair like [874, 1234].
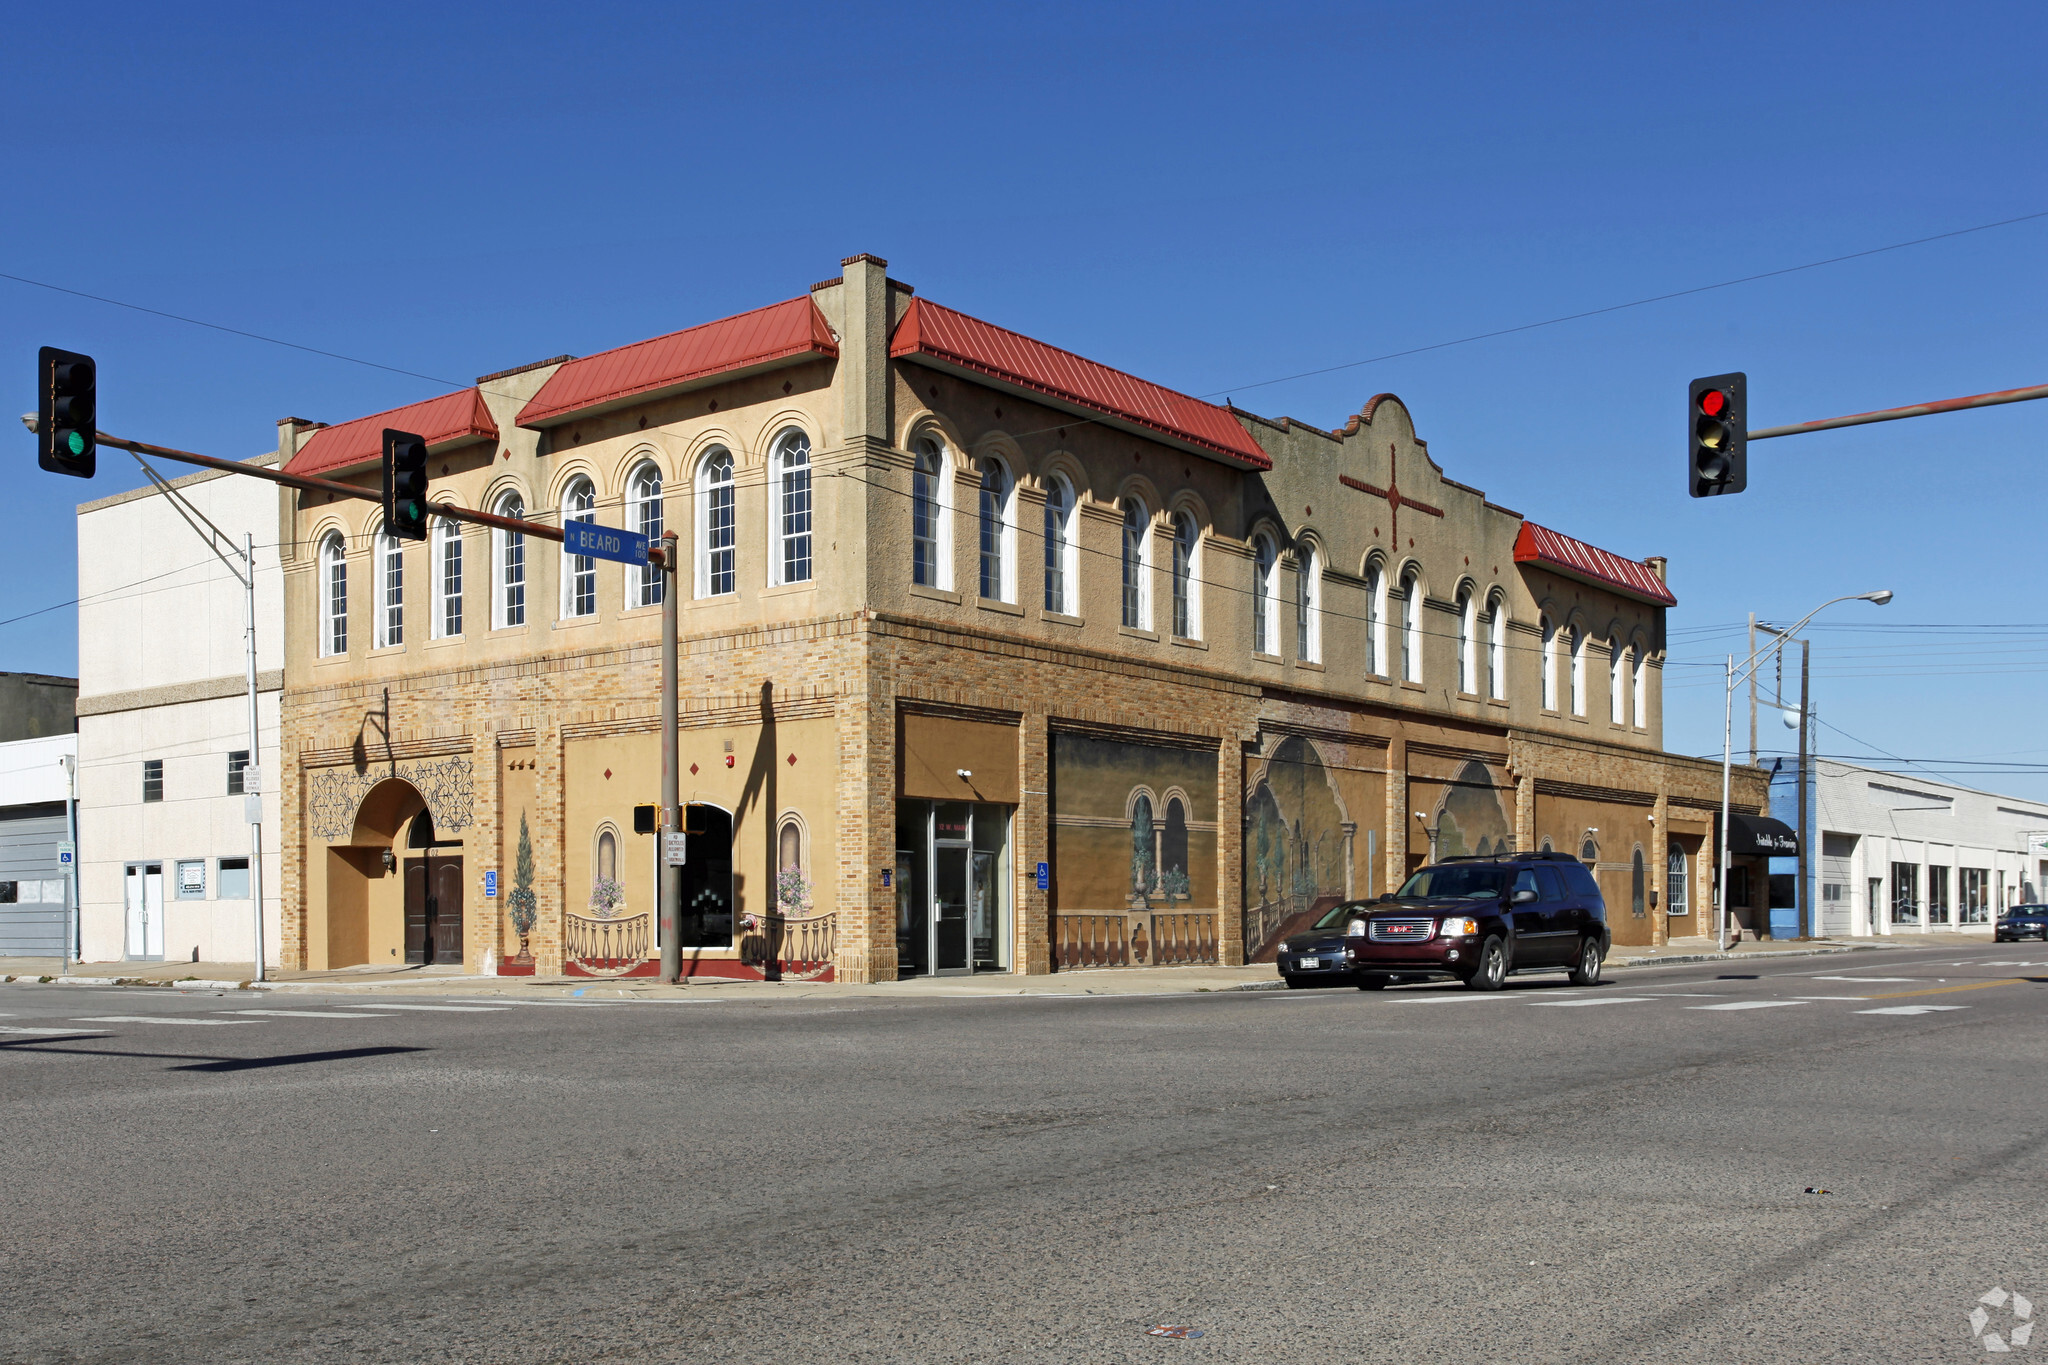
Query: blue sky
[1209, 196]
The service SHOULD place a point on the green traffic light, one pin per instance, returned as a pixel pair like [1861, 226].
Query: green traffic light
[77, 443]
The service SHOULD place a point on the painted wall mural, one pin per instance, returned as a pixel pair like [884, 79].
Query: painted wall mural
[1298, 844]
[1135, 825]
[1470, 817]
[333, 797]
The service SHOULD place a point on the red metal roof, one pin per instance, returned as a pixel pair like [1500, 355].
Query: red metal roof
[453, 417]
[1559, 553]
[778, 334]
[953, 340]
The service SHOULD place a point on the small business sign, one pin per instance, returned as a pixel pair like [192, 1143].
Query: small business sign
[491, 882]
[675, 849]
[1044, 876]
[604, 542]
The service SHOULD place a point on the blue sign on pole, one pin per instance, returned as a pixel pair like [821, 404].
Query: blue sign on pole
[491, 883]
[1044, 876]
[604, 542]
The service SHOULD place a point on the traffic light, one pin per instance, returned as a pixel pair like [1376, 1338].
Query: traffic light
[1717, 435]
[405, 484]
[66, 434]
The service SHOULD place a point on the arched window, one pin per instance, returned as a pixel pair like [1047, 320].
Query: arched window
[390, 603]
[1617, 671]
[607, 855]
[1411, 627]
[1578, 666]
[1187, 583]
[333, 595]
[579, 572]
[789, 847]
[1548, 628]
[1060, 553]
[997, 534]
[1676, 879]
[508, 567]
[1375, 620]
[1589, 852]
[790, 502]
[1547, 846]
[447, 623]
[1137, 562]
[1637, 890]
[1641, 688]
[1308, 606]
[717, 528]
[643, 514]
[928, 562]
[1468, 648]
[1265, 595]
[1497, 650]
[1144, 846]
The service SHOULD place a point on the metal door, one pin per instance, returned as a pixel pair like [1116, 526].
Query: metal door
[145, 903]
[949, 910]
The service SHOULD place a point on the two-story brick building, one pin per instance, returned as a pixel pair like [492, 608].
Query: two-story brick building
[993, 658]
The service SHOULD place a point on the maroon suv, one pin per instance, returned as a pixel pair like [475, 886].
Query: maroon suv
[1478, 919]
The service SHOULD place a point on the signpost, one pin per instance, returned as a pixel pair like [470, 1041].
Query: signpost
[604, 542]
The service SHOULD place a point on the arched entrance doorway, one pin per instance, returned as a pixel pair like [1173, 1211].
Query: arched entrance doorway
[395, 889]
[433, 895]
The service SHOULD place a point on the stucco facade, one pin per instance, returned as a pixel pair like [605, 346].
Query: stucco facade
[1023, 623]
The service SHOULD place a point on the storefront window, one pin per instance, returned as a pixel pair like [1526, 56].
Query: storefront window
[952, 887]
[1905, 893]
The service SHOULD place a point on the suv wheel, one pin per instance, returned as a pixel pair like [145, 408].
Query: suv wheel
[1491, 969]
[1587, 973]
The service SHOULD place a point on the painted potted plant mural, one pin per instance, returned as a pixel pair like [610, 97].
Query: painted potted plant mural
[524, 907]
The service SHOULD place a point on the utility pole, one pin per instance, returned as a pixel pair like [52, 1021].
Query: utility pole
[252, 792]
[671, 821]
[1805, 897]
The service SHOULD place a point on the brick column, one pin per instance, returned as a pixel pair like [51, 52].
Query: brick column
[1398, 818]
[1033, 836]
[1230, 849]
[1525, 813]
[549, 830]
[866, 948]
[1660, 862]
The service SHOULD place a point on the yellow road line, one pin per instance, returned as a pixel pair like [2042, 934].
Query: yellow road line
[1944, 990]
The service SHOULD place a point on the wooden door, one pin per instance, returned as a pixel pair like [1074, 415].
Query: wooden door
[445, 910]
[416, 910]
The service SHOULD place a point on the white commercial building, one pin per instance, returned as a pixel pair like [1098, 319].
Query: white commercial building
[1904, 854]
[35, 782]
[163, 724]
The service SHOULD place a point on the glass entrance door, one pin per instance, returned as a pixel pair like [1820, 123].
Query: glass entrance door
[949, 909]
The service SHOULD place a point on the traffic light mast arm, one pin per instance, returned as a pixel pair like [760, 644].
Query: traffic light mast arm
[330, 486]
[1979, 400]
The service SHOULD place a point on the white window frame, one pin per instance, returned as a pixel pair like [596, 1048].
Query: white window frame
[1376, 620]
[447, 555]
[1468, 641]
[1062, 555]
[1265, 595]
[716, 481]
[1548, 628]
[333, 606]
[1617, 689]
[646, 514]
[784, 536]
[1134, 540]
[1497, 648]
[1578, 669]
[1308, 604]
[1641, 688]
[1411, 626]
[388, 605]
[929, 490]
[1186, 575]
[578, 567]
[995, 532]
[508, 610]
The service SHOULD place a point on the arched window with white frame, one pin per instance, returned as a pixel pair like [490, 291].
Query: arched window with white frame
[447, 573]
[1265, 595]
[790, 506]
[579, 572]
[717, 526]
[1578, 668]
[1617, 671]
[333, 595]
[1548, 628]
[1376, 620]
[1137, 565]
[644, 514]
[1468, 644]
[996, 533]
[1187, 581]
[930, 564]
[508, 566]
[1497, 649]
[389, 604]
[1308, 605]
[1641, 687]
[1061, 553]
[1411, 626]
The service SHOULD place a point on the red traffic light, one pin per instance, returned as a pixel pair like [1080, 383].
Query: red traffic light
[1713, 402]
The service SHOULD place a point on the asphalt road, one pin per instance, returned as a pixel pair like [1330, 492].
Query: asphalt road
[1424, 1174]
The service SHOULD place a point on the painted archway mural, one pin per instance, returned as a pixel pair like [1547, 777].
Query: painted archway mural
[1297, 846]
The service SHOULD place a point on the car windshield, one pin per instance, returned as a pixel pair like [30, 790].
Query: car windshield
[1342, 915]
[1462, 881]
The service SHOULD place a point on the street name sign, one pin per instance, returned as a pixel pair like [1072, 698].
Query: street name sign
[604, 542]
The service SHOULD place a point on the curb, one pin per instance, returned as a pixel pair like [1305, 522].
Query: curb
[1682, 958]
[190, 983]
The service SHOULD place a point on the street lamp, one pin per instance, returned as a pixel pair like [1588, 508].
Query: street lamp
[1756, 660]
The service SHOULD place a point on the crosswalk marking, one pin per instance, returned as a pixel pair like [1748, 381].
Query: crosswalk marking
[1745, 1005]
[1913, 1009]
[43, 1031]
[1596, 1000]
[156, 1019]
[452, 1009]
[309, 1014]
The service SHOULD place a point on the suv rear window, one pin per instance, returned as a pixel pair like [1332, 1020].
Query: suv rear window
[1578, 881]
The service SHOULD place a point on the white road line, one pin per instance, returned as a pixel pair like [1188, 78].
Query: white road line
[156, 1019]
[452, 1009]
[1869, 980]
[40, 1031]
[1745, 1005]
[307, 1014]
[1689, 995]
[1596, 1000]
[1830, 997]
[1913, 1009]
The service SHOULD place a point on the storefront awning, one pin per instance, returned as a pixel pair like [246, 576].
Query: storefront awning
[1759, 836]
